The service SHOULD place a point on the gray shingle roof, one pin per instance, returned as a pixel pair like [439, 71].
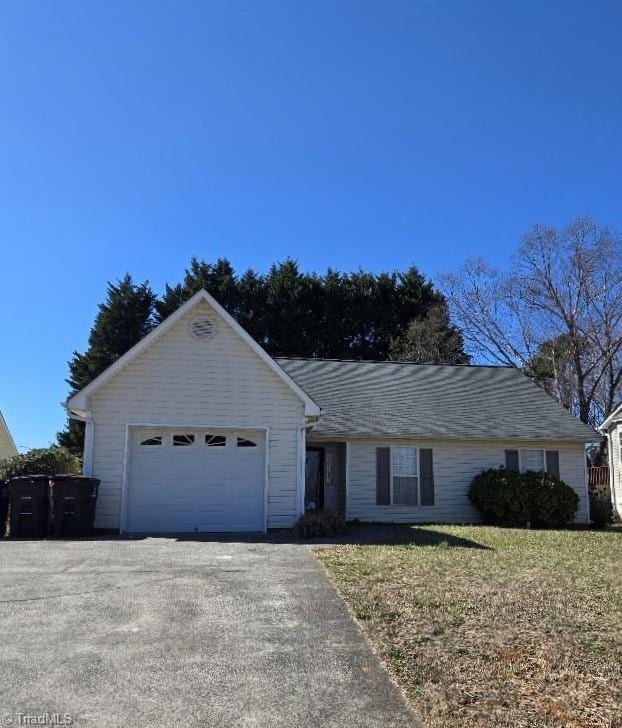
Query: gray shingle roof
[431, 400]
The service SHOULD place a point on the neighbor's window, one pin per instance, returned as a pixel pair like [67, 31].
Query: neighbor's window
[532, 460]
[404, 476]
[244, 442]
[215, 440]
[183, 440]
[151, 441]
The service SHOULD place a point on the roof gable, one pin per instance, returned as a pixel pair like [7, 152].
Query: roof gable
[79, 402]
[614, 417]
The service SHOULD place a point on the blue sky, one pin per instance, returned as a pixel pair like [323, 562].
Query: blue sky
[376, 134]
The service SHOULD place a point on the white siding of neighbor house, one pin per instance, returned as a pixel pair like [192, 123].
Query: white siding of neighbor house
[180, 380]
[616, 462]
[456, 463]
[7, 446]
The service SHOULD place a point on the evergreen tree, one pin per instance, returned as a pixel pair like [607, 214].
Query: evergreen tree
[123, 319]
[359, 315]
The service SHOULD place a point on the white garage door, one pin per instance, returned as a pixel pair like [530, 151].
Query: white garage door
[196, 480]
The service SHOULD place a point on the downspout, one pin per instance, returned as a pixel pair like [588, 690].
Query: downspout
[302, 432]
[89, 436]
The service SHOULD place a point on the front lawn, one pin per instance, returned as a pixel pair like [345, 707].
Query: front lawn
[487, 626]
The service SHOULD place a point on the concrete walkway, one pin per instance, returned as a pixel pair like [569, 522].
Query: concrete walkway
[160, 632]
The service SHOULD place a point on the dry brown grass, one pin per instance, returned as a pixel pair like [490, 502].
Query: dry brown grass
[494, 627]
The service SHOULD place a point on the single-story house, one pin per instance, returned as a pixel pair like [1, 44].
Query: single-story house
[612, 429]
[197, 428]
[7, 445]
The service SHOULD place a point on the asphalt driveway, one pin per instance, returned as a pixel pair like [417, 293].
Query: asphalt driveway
[190, 633]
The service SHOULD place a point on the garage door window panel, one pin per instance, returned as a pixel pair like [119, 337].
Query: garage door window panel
[183, 440]
[245, 442]
[150, 441]
[217, 441]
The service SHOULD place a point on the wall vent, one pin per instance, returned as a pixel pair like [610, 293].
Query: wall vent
[203, 328]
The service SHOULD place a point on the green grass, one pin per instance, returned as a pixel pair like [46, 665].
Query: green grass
[487, 626]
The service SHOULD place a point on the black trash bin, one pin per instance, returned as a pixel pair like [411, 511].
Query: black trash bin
[28, 506]
[4, 506]
[73, 499]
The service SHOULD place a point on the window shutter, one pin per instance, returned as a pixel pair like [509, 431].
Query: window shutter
[511, 460]
[426, 474]
[383, 475]
[552, 462]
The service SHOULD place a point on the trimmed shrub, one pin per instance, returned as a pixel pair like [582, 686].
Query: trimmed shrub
[42, 461]
[505, 498]
[319, 524]
[551, 502]
[500, 496]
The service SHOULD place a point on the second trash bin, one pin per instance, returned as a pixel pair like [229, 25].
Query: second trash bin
[28, 506]
[73, 499]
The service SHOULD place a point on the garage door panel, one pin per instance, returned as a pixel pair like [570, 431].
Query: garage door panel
[196, 487]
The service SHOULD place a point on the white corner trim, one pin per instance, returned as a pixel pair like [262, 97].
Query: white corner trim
[612, 477]
[124, 481]
[79, 401]
[266, 488]
[587, 487]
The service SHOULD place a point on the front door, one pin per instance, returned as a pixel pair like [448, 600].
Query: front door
[314, 479]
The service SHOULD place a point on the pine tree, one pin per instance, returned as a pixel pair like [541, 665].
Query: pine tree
[125, 317]
[360, 315]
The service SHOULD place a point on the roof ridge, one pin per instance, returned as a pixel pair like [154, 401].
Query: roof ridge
[393, 361]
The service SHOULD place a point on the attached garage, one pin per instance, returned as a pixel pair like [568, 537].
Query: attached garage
[190, 479]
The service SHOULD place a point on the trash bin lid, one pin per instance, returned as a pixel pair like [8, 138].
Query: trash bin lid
[27, 478]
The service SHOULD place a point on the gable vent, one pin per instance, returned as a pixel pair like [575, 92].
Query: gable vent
[203, 328]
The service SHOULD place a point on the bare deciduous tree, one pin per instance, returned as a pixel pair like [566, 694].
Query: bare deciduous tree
[556, 313]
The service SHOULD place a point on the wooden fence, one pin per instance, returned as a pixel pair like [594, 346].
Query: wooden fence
[598, 476]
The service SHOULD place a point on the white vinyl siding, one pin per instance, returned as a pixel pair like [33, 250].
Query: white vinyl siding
[7, 448]
[616, 462]
[181, 382]
[456, 463]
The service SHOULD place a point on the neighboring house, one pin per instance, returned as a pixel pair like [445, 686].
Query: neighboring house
[612, 429]
[196, 428]
[7, 446]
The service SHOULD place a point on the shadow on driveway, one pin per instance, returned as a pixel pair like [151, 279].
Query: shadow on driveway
[357, 534]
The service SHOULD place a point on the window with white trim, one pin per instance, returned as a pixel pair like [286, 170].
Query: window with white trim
[404, 476]
[532, 460]
[183, 440]
[154, 441]
[215, 440]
